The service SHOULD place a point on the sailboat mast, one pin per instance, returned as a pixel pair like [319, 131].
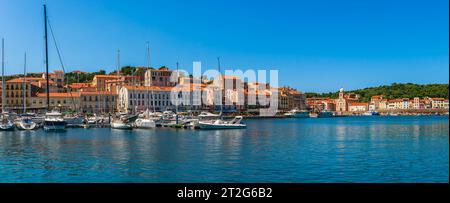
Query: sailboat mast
[46, 57]
[220, 80]
[149, 81]
[24, 89]
[3, 75]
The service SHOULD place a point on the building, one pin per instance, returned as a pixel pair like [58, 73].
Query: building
[375, 101]
[358, 106]
[98, 102]
[69, 101]
[438, 103]
[295, 99]
[140, 98]
[159, 77]
[57, 77]
[99, 81]
[321, 104]
[14, 92]
[341, 102]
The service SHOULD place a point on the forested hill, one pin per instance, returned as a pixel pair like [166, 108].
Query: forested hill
[395, 90]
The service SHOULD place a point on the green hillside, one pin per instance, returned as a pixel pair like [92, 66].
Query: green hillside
[395, 90]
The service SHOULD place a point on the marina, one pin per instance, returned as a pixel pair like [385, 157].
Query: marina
[394, 149]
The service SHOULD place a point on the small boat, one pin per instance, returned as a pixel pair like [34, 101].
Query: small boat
[124, 122]
[221, 124]
[119, 124]
[297, 114]
[325, 114]
[6, 124]
[371, 113]
[54, 121]
[207, 116]
[26, 123]
[144, 123]
[74, 120]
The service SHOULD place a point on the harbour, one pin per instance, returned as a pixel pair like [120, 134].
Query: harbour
[395, 149]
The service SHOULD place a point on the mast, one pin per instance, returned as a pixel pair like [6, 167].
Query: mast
[46, 57]
[220, 80]
[176, 104]
[24, 89]
[3, 75]
[148, 68]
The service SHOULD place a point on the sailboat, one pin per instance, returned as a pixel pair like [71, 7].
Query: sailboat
[219, 123]
[145, 121]
[25, 121]
[5, 122]
[53, 120]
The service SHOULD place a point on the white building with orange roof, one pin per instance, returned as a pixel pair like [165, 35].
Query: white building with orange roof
[438, 103]
[358, 106]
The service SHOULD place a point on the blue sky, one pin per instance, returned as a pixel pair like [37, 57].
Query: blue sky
[316, 45]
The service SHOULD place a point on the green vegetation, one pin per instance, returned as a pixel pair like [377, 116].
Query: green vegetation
[395, 90]
[74, 77]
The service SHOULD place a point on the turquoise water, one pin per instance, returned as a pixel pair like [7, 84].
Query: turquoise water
[350, 149]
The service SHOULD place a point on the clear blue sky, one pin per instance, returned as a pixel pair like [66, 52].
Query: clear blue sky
[316, 45]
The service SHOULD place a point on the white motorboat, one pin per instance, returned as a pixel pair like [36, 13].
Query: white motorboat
[54, 121]
[26, 123]
[6, 124]
[297, 114]
[221, 124]
[119, 124]
[207, 116]
[144, 123]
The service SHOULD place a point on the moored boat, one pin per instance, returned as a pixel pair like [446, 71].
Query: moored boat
[221, 124]
[54, 121]
[297, 114]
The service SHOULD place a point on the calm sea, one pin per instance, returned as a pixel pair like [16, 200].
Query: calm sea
[350, 149]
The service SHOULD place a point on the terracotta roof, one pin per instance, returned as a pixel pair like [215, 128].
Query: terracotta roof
[358, 104]
[98, 93]
[65, 94]
[28, 79]
[106, 76]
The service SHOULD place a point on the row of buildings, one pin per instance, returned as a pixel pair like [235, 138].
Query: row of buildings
[350, 103]
[150, 90]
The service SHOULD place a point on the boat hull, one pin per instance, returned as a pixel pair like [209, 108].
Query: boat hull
[7, 127]
[209, 126]
[145, 124]
[26, 126]
[121, 126]
[54, 125]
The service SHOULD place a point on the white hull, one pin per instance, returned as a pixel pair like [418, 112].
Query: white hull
[144, 123]
[6, 127]
[26, 126]
[124, 126]
[203, 125]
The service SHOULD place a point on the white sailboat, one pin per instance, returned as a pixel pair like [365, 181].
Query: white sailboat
[219, 123]
[53, 120]
[5, 122]
[25, 121]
